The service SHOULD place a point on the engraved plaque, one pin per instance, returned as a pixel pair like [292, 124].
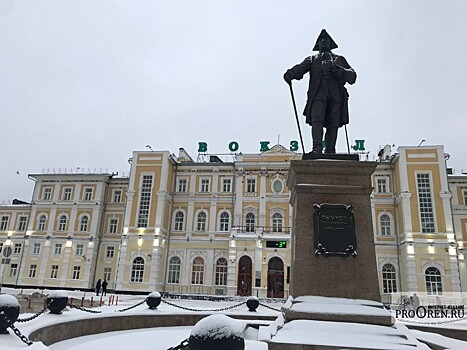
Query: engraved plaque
[334, 226]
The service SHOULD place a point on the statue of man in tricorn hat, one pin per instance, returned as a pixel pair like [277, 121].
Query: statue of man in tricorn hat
[327, 97]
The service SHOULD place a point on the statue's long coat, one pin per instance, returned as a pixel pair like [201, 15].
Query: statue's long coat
[312, 64]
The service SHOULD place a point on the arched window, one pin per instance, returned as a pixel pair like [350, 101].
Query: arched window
[62, 223]
[385, 222]
[197, 273]
[175, 265]
[179, 219]
[277, 222]
[224, 222]
[41, 224]
[434, 285]
[221, 272]
[201, 221]
[83, 225]
[389, 279]
[250, 222]
[137, 270]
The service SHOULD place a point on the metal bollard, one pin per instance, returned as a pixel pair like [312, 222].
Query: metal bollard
[217, 332]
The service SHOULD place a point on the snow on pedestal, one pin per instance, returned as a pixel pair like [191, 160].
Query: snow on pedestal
[336, 323]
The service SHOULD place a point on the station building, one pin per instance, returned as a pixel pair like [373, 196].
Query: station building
[223, 226]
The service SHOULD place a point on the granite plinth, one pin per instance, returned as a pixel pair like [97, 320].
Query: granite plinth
[335, 182]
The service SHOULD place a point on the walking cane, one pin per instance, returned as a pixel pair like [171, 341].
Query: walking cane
[296, 117]
[347, 138]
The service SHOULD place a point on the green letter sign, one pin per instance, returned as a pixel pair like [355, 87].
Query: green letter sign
[264, 146]
[233, 146]
[202, 147]
[359, 145]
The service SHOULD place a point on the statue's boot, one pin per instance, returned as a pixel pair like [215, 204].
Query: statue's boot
[330, 140]
[317, 136]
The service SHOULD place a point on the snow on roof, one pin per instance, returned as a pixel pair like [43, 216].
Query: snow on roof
[8, 300]
[218, 326]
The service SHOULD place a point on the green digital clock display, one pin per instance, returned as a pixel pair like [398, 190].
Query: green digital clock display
[276, 244]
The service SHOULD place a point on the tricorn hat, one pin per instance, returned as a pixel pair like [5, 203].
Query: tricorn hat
[324, 33]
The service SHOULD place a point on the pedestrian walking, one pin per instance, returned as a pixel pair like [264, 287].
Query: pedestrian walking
[98, 286]
[104, 287]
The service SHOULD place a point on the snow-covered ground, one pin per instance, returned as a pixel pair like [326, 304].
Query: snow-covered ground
[163, 338]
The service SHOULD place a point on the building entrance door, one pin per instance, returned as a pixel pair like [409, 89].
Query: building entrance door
[244, 276]
[275, 278]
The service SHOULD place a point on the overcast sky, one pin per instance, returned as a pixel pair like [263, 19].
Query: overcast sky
[84, 83]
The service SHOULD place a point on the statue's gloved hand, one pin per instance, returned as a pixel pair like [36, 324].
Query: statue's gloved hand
[338, 72]
[288, 76]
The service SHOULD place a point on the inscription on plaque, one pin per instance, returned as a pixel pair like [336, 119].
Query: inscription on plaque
[334, 226]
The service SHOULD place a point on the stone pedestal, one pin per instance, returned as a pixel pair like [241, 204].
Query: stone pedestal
[329, 181]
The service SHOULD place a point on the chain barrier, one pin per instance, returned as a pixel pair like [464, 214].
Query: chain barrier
[270, 307]
[200, 310]
[84, 309]
[183, 345]
[22, 337]
[27, 319]
[131, 307]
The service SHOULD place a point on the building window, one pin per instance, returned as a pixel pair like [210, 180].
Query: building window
[22, 223]
[251, 185]
[137, 270]
[107, 273]
[13, 270]
[182, 183]
[145, 201]
[277, 186]
[113, 225]
[201, 221]
[465, 197]
[88, 193]
[197, 274]
[17, 249]
[226, 185]
[41, 224]
[110, 251]
[47, 194]
[67, 194]
[58, 249]
[385, 223]
[76, 271]
[434, 285]
[175, 265]
[224, 222]
[277, 222]
[32, 271]
[389, 279]
[250, 222]
[36, 250]
[382, 185]
[179, 218]
[79, 249]
[54, 272]
[117, 196]
[4, 223]
[204, 185]
[83, 225]
[425, 203]
[221, 272]
[62, 223]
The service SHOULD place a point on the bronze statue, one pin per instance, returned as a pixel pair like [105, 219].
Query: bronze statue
[327, 97]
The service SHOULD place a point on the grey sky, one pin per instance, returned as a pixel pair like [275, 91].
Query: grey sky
[84, 83]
